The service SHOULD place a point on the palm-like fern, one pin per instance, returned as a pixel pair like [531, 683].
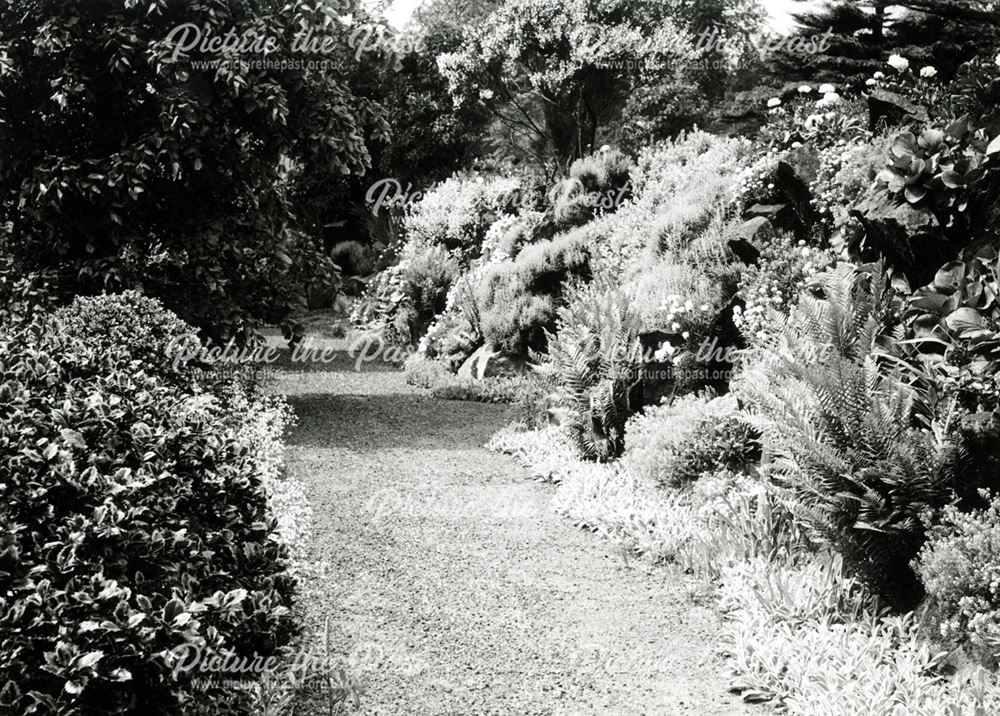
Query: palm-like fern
[596, 355]
[845, 424]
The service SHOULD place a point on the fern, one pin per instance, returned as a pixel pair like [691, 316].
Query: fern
[596, 356]
[841, 416]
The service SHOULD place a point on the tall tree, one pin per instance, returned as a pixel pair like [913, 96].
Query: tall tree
[141, 147]
[863, 33]
[557, 75]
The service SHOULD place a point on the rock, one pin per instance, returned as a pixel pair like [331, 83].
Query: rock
[752, 234]
[892, 108]
[766, 210]
[487, 362]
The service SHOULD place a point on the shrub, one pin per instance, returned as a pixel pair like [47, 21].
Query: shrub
[428, 274]
[132, 325]
[135, 523]
[842, 425]
[596, 183]
[954, 325]
[98, 200]
[353, 258]
[456, 213]
[451, 339]
[519, 300]
[960, 568]
[936, 195]
[847, 172]
[678, 443]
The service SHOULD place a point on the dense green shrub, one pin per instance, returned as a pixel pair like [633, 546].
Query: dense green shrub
[960, 568]
[133, 326]
[97, 199]
[134, 522]
[597, 183]
[451, 339]
[457, 213]
[863, 445]
[518, 300]
[428, 273]
[677, 443]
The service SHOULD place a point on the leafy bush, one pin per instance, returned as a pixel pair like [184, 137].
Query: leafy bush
[451, 339]
[456, 213]
[960, 568]
[428, 274]
[596, 183]
[841, 423]
[677, 443]
[135, 326]
[97, 200]
[595, 357]
[135, 523]
[519, 300]
[936, 196]
[954, 325]
[353, 258]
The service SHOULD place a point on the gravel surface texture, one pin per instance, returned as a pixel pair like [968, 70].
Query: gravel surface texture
[451, 587]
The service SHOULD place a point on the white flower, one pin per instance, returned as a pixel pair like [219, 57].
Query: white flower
[486, 94]
[928, 72]
[827, 88]
[879, 75]
[870, 82]
[605, 148]
[775, 102]
[828, 99]
[805, 89]
[899, 63]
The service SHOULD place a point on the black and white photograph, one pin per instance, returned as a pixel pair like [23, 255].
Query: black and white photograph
[499, 358]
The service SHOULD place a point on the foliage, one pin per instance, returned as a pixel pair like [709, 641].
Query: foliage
[556, 74]
[519, 300]
[808, 637]
[859, 35]
[677, 443]
[134, 327]
[451, 339]
[135, 522]
[457, 213]
[679, 188]
[108, 130]
[846, 173]
[595, 356]
[960, 569]
[770, 288]
[936, 196]
[841, 421]
[596, 183]
[954, 325]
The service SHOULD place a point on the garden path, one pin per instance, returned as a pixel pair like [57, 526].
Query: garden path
[451, 585]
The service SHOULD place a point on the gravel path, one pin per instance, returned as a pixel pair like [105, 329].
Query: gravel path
[452, 587]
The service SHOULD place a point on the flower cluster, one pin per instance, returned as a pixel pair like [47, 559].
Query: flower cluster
[782, 272]
[682, 318]
[755, 184]
[846, 171]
